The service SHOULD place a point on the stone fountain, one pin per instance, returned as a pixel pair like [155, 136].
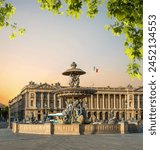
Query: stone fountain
[76, 106]
[75, 120]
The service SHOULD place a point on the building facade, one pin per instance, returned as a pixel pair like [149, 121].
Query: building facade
[37, 100]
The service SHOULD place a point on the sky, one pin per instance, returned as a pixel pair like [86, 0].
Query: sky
[52, 43]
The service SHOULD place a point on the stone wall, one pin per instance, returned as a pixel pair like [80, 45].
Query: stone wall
[100, 129]
[124, 127]
[76, 129]
[66, 129]
[14, 127]
[32, 128]
[70, 129]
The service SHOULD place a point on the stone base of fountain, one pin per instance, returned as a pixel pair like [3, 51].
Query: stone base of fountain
[70, 129]
[67, 129]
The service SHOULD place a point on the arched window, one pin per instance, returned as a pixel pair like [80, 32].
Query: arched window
[32, 95]
[106, 115]
[89, 114]
[123, 115]
[117, 115]
[95, 113]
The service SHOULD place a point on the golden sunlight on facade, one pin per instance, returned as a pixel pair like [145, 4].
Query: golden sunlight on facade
[37, 100]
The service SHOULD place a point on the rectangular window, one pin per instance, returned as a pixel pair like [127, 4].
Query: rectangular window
[130, 104]
[135, 101]
[31, 102]
[141, 101]
[141, 97]
[32, 95]
[45, 96]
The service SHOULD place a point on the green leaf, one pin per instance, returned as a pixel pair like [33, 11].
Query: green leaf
[107, 27]
[13, 36]
[133, 70]
[129, 53]
[21, 31]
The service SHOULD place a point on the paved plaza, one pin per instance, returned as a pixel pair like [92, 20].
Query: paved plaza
[11, 141]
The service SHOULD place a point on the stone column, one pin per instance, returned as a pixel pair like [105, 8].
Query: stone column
[48, 101]
[103, 115]
[35, 107]
[108, 115]
[98, 113]
[27, 99]
[54, 98]
[120, 114]
[88, 102]
[125, 100]
[138, 101]
[120, 101]
[114, 101]
[41, 100]
[97, 101]
[26, 105]
[103, 107]
[91, 101]
[60, 103]
[109, 105]
[128, 100]
[126, 106]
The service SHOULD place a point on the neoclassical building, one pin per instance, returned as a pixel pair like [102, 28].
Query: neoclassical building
[39, 99]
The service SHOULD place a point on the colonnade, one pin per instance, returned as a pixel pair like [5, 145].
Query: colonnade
[111, 101]
[106, 101]
[96, 101]
[101, 103]
[42, 101]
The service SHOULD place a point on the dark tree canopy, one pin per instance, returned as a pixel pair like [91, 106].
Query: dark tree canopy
[127, 16]
[4, 113]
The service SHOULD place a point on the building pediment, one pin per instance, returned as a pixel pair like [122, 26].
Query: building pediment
[139, 89]
[45, 86]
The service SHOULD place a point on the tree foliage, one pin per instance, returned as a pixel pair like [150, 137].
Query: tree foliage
[128, 20]
[127, 16]
[6, 11]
